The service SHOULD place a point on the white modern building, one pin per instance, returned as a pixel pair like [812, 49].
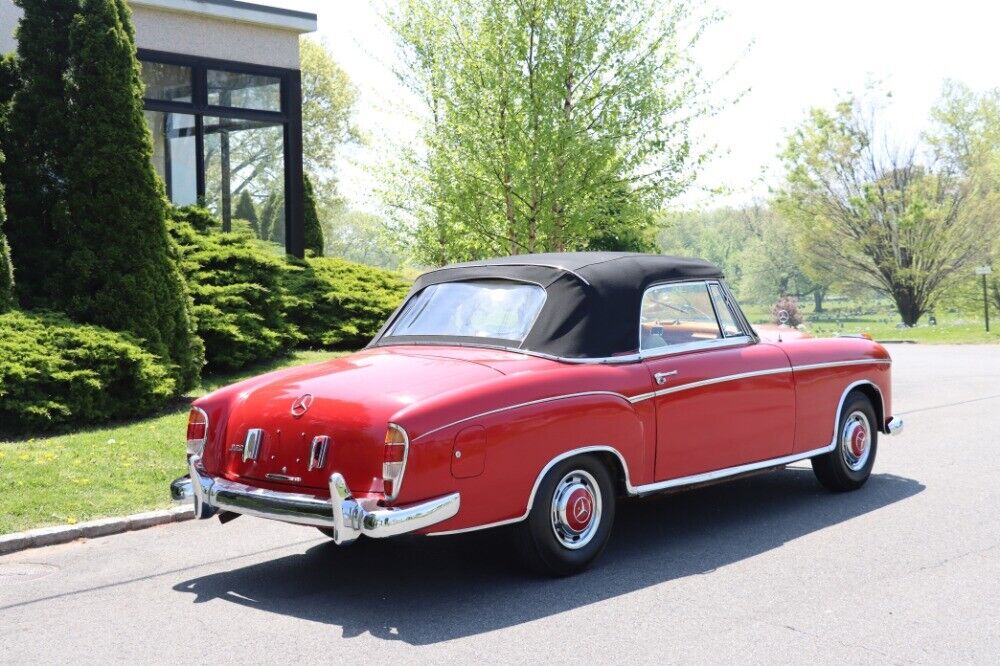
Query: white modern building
[223, 102]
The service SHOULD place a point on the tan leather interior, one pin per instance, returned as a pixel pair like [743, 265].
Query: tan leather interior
[677, 333]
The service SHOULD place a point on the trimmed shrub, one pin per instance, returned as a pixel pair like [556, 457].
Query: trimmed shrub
[54, 371]
[340, 304]
[312, 233]
[117, 267]
[237, 289]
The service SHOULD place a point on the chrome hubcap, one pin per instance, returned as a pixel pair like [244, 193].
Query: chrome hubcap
[855, 442]
[576, 509]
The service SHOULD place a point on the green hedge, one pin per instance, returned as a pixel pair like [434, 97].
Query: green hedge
[237, 289]
[339, 304]
[53, 371]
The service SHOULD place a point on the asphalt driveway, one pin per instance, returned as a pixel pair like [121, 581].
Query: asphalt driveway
[767, 569]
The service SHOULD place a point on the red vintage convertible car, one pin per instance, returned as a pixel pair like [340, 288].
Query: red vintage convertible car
[536, 391]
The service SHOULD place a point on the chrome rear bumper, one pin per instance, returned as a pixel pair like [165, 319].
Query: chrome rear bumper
[894, 426]
[348, 517]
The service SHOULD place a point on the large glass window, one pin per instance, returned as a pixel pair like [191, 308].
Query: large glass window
[221, 136]
[244, 91]
[493, 309]
[167, 82]
[175, 155]
[676, 314]
[245, 174]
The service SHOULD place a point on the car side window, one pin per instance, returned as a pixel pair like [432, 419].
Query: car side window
[727, 318]
[677, 314]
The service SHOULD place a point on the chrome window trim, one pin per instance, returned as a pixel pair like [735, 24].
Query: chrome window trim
[386, 332]
[553, 266]
[718, 343]
[693, 479]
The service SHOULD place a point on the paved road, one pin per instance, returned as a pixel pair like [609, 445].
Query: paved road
[768, 569]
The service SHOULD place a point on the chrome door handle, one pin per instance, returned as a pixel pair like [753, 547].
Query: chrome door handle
[661, 377]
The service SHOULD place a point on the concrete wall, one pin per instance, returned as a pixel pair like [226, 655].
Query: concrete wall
[192, 34]
[9, 14]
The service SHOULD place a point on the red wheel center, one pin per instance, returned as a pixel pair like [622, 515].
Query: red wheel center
[579, 509]
[858, 441]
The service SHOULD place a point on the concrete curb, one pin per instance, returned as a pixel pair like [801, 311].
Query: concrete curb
[49, 536]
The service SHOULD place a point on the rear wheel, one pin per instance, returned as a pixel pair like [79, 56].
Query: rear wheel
[849, 464]
[570, 522]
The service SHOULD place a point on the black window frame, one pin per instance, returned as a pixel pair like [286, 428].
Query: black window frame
[290, 118]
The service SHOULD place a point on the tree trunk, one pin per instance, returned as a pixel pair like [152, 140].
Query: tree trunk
[818, 295]
[910, 307]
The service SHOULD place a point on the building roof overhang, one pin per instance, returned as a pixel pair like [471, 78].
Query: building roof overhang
[236, 10]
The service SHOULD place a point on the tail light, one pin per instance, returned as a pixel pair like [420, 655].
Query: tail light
[197, 432]
[397, 446]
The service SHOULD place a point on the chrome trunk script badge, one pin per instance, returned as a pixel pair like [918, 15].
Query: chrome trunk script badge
[301, 405]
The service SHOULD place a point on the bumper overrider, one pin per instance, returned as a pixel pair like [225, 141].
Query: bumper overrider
[347, 517]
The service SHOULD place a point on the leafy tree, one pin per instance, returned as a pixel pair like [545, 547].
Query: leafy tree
[551, 125]
[313, 230]
[36, 144]
[328, 101]
[118, 267]
[245, 210]
[881, 216]
[966, 138]
[361, 237]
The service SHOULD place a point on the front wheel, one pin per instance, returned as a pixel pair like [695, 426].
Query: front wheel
[570, 522]
[849, 464]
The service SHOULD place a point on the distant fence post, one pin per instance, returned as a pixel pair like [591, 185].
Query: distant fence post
[984, 271]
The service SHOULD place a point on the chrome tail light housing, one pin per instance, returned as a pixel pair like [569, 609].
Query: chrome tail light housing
[197, 431]
[395, 454]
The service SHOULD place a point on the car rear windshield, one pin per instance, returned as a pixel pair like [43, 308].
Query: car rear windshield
[496, 309]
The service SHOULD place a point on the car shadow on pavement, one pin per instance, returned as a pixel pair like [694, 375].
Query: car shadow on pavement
[426, 590]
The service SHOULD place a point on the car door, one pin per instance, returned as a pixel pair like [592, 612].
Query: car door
[722, 398]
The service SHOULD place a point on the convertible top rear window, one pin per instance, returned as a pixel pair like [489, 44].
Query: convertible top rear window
[494, 309]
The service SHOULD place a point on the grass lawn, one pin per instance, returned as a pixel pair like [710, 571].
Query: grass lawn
[880, 320]
[118, 469]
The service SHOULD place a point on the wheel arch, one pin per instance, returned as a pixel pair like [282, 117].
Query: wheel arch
[874, 394]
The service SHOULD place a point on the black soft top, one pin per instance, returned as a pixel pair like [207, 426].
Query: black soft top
[593, 298]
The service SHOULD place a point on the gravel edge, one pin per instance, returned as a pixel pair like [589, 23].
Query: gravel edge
[49, 536]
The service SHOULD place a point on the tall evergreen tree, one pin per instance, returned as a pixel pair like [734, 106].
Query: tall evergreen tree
[6, 270]
[267, 215]
[245, 210]
[8, 84]
[313, 231]
[37, 142]
[118, 266]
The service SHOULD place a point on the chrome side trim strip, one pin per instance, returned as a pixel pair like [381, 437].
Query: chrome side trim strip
[680, 481]
[837, 364]
[672, 389]
[729, 471]
[709, 382]
[519, 405]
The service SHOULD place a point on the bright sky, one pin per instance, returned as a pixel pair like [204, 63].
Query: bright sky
[800, 53]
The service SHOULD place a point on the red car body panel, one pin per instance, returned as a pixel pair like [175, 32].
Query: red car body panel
[510, 414]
